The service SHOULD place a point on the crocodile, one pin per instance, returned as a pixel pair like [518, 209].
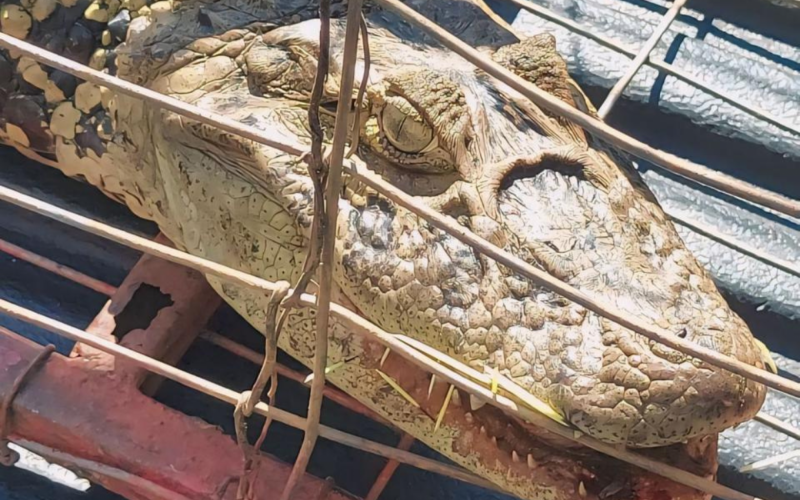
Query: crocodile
[455, 139]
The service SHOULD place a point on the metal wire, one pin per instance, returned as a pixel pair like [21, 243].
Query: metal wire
[641, 57]
[659, 64]
[675, 164]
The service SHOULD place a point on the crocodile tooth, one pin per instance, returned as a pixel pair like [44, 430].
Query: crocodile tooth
[483, 430]
[475, 403]
[531, 461]
[456, 398]
[430, 386]
[383, 358]
[468, 417]
[582, 490]
[514, 457]
[508, 475]
[494, 440]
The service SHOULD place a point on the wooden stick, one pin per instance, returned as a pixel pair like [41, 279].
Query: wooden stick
[458, 231]
[670, 162]
[756, 253]
[123, 87]
[541, 277]
[406, 441]
[360, 325]
[777, 424]
[56, 268]
[443, 222]
[232, 397]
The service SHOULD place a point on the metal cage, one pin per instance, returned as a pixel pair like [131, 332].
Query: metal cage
[311, 425]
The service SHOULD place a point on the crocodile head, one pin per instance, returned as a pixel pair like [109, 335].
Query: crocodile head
[542, 190]
[467, 145]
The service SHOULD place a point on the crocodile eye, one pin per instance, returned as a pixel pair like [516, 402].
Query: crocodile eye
[403, 126]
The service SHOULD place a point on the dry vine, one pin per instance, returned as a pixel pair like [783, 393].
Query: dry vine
[276, 315]
[280, 305]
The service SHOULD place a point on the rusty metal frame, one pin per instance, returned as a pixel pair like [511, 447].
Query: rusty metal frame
[680, 166]
[20, 369]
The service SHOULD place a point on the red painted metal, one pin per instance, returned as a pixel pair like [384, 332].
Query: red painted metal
[91, 413]
[97, 417]
[15, 366]
[173, 327]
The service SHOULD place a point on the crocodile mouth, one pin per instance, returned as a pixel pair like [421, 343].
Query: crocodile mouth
[534, 462]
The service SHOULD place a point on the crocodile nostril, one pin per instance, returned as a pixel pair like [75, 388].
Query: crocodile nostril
[572, 162]
[524, 170]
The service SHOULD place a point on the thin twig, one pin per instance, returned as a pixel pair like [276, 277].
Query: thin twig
[270, 346]
[249, 398]
[315, 160]
[317, 173]
[254, 357]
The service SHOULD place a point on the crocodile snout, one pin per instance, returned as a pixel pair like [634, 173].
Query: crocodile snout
[592, 225]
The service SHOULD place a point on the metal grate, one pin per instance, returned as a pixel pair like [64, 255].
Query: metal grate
[311, 425]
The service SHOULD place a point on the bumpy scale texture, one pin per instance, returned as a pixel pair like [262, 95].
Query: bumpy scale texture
[456, 140]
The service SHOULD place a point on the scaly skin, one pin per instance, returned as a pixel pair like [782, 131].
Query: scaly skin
[456, 140]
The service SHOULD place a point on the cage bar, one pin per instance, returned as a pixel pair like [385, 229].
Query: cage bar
[641, 57]
[657, 63]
